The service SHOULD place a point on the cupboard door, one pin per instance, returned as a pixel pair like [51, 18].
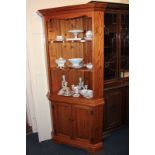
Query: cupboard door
[82, 124]
[62, 118]
[113, 109]
[124, 33]
[110, 46]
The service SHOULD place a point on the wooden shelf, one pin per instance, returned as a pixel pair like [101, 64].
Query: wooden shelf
[83, 69]
[69, 41]
[75, 100]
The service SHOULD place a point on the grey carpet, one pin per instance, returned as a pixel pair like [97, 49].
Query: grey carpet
[116, 144]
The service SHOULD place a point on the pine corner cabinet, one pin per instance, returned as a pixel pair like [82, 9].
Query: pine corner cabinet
[80, 119]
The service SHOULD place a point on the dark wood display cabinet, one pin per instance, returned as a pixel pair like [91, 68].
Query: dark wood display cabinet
[79, 119]
[116, 66]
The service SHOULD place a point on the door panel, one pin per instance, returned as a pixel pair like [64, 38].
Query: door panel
[62, 114]
[110, 46]
[113, 109]
[82, 122]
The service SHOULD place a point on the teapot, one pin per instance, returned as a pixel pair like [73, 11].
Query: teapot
[60, 62]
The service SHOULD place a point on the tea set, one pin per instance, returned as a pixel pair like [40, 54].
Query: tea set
[75, 90]
[75, 63]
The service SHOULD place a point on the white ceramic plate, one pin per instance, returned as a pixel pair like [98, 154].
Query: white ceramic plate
[76, 67]
[59, 39]
[75, 31]
[87, 38]
[72, 39]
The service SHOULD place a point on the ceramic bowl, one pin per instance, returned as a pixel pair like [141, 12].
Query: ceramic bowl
[87, 93]
[75, 61]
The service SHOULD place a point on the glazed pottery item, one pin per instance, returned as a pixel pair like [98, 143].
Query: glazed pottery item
[75, 62]
[75, 32]
[89, 35]
[60, 62]
[89, 65]
[59, 38]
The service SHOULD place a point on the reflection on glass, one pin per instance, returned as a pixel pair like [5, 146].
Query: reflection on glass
[110, 46]
[124, 45]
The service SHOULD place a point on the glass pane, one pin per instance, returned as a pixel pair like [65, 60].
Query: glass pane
[110, 59]
[124, 45]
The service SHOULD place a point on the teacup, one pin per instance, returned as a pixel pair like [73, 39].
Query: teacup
[89, 65]
[89, 34]
[59, 38]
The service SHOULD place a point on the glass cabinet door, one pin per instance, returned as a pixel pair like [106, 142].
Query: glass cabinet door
[110, 49]
[124, 46]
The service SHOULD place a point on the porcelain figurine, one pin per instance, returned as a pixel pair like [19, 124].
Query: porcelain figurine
[81, 83]
[63, 86]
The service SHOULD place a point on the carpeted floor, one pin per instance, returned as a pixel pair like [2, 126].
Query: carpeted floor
[116, 144]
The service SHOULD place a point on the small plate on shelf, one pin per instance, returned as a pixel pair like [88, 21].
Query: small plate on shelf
[76, 67]
[59, 40]
[73, 39]
[87, 38]
[75, 31]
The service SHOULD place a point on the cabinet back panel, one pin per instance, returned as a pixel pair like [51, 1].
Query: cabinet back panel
[72, 77]
[68, 50]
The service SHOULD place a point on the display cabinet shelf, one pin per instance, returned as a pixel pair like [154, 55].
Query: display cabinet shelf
[83, 69]
[75, 100]
[69, 41]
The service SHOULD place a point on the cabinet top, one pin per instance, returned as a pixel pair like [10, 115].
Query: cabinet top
[88, 7]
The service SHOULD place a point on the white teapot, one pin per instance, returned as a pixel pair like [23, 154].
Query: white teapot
[60, 62]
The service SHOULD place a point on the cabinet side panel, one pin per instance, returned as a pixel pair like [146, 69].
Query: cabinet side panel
[45, 22]
[97, 124]
[98, 53]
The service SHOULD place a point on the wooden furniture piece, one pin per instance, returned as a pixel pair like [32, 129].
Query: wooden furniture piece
[79, 121]
[116, 66]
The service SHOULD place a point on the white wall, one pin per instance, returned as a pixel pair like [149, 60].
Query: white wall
[37, 85]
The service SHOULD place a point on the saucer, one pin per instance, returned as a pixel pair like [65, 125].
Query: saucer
[76, 67]
[75, 31]
[87, 38]
[59, 39]
[73, 39]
